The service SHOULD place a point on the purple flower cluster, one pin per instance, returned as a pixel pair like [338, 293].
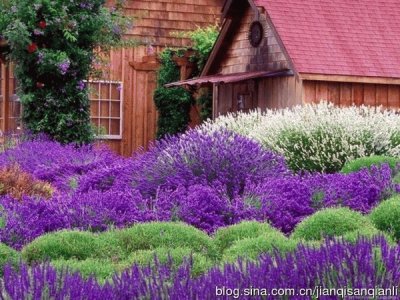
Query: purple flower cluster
[86, 5]
[335, 265]
[64, 66]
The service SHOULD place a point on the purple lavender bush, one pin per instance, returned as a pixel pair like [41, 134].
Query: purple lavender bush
[283, 202]
[58, 164]
[336, 264]
[220, 159]
[94, 211]
[287, 201]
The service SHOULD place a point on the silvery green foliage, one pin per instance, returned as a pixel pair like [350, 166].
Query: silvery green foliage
[319, 137]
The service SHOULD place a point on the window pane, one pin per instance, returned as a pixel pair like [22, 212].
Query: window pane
[104, 126]
[115, 127]
[115, 92]
[93, 90]
[105, 91]
[94, 108]
[115, 109]
[104, 109]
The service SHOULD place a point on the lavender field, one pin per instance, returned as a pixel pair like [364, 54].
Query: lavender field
[218, 206]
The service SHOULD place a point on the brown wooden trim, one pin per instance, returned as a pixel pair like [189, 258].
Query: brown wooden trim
[226, 7]
[6, 95]
[346, 78]
[255, 9]
[214, 52]
[144, 66]
[215, 101]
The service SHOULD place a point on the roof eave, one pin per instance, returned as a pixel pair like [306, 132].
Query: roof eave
[350, 78]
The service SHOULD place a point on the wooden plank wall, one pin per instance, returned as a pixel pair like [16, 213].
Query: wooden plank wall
[347, 93]
[272, 93]
[158, 25]
[240, 56]
[160, 22]
[278, 92]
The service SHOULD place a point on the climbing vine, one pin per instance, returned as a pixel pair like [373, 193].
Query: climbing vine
[52, 45]
[203, 41]
[173, 104]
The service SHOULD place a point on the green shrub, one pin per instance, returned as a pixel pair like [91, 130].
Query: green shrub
[386, 217]
[225, 237]
[330, 222]
[148, 236]
[7, 255]
[100, 268]
[251, 248]
[366, 162]
[104, 269]
[173, 104]
[66, 244]
[53, 58]
[367, 232]
[178, 256]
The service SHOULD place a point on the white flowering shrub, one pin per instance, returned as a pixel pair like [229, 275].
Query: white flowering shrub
[318, 137]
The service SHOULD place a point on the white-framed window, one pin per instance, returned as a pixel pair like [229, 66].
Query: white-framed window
[106, 103]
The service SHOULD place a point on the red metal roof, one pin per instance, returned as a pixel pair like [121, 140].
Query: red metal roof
[229, 78]
[339, 37]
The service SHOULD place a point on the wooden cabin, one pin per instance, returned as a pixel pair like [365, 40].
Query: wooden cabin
[122, 102]
[280, 53]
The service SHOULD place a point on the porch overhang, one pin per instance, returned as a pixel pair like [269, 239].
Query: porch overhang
[230, 78]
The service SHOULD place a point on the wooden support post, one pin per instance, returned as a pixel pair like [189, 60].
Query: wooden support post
[6, 95]
[215, 101]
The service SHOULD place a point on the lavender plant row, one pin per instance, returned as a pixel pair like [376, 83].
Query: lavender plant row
[337, 264]
[206, 180]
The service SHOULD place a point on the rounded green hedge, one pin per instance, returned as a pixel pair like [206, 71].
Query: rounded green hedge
[148, 236]
[252, 248]
[102, 269]
[66, 244]
[178, 255]
[367, 232]
[330, 222]
[8, 256]
[225, 237]
[386, 217]
[368, 161]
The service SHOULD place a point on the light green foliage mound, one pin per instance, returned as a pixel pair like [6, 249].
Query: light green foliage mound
[318, 137]
[368, 233]
[66, 244]
[330, 222]
[386, 217]
[367, 162]
[102, 255]
[251, 248]
[178, 256]
[225, 237]
[154, 235]
[7, 256]
[102, 269]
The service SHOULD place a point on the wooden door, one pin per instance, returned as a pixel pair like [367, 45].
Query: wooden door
[244, 96]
